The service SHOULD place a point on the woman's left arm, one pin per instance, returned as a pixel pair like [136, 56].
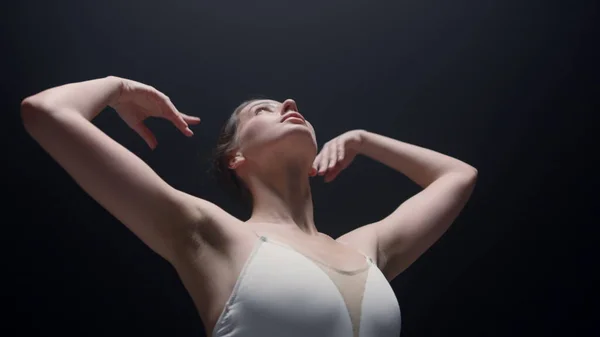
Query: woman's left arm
[404, 235]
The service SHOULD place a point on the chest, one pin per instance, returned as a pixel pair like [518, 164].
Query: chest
[323, 276]
[281, 291]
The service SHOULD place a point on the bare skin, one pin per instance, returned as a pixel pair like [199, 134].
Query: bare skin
[205, 244]
[210, 276]
[276, 160]
[275, 157]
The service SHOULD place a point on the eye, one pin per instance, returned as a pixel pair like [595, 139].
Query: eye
[258, 110]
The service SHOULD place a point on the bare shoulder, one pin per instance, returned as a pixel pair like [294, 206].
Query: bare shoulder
[362, 239]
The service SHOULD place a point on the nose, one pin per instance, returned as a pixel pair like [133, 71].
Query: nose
[289, 104]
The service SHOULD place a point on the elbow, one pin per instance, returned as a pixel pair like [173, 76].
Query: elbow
[471, 177]
[468, 170]
[472, 171]
[466, 173]
[471, 174]
[31, 107]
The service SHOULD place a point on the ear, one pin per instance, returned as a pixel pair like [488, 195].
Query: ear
[236, 161]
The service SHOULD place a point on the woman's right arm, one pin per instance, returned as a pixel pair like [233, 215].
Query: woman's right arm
[165, 219]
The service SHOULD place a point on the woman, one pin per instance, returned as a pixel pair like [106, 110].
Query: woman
[274, 274]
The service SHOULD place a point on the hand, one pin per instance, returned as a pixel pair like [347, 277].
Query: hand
[337, 154]
[136, 101]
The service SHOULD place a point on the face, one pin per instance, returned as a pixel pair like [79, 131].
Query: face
[264, 134]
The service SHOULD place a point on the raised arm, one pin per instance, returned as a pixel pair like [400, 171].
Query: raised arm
[59, 119]
[404, 235]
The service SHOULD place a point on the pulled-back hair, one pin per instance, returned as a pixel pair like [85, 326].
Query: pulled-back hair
[228, 140]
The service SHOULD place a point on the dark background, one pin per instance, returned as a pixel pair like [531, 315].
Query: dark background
[506, 86]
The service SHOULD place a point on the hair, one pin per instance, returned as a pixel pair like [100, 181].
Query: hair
[227, 141]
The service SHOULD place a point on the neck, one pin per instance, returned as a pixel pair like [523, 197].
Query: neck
[282, 196]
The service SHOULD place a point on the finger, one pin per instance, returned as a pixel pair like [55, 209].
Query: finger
[332, 174]
[341, 152]
[146, 134]
[171, 113]
[324, 159]
[333, 154]
[316, 162]
[181, 124]
[190, 119]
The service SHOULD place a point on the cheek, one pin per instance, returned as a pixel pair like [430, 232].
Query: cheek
[254, 131]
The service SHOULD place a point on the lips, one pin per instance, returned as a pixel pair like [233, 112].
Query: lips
[292, 114]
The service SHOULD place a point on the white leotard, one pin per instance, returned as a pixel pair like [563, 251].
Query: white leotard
[281, 292]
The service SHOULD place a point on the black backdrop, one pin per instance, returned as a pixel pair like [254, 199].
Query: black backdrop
[506, 86]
